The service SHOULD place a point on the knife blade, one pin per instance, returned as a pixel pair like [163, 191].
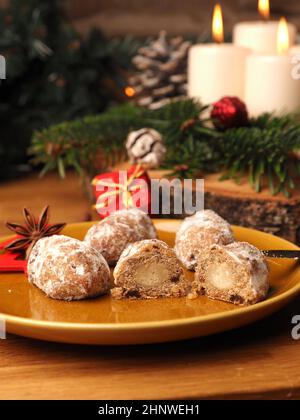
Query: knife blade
[292, 255]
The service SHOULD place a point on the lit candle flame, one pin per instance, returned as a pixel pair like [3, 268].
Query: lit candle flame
[129, 91]
[264, 9]
[217, 25]
[283, 39]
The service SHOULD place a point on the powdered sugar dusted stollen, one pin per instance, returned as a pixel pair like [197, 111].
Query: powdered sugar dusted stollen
[113, 234]
[198, 232]
[148, 270]
[68, 269]
[236, 273]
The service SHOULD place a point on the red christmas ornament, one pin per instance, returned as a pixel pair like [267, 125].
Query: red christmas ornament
[229, 112]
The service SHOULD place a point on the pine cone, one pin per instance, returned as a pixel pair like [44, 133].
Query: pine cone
[161, 71]
[146, 147]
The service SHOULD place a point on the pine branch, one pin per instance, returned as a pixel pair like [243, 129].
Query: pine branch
[76, 143]
[266, 149]
[263, 149]
[54, 74]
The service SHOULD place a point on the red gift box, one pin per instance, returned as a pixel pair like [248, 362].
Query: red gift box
[122, 190]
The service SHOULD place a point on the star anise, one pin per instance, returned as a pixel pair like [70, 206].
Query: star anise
[32, 230]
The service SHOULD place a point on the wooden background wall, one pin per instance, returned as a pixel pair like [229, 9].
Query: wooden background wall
[143, 17]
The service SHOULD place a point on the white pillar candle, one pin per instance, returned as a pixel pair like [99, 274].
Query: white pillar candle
[260, 36]
[295, 57]
[215, 71]
[270, 85]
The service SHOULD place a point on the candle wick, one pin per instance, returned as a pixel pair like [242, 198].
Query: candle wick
[264, 17]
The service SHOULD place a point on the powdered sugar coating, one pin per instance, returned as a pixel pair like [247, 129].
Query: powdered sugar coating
[149, 269]
[112, 235]
[247, 254]
[198, 232]
[68, 269]
[145, 146]
[138, 220]
[137, 247]
[242, 273]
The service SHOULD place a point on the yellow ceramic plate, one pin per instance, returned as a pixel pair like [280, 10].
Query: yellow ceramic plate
[28, 312]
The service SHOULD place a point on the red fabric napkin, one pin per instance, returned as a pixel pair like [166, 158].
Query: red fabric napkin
[11, 262]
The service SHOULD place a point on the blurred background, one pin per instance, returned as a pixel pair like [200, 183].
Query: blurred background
[144, 17]
[67, 59]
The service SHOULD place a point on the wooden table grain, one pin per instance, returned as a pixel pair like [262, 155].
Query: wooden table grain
[259, 361]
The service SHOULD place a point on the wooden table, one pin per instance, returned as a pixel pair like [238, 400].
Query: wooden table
[260, 361]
